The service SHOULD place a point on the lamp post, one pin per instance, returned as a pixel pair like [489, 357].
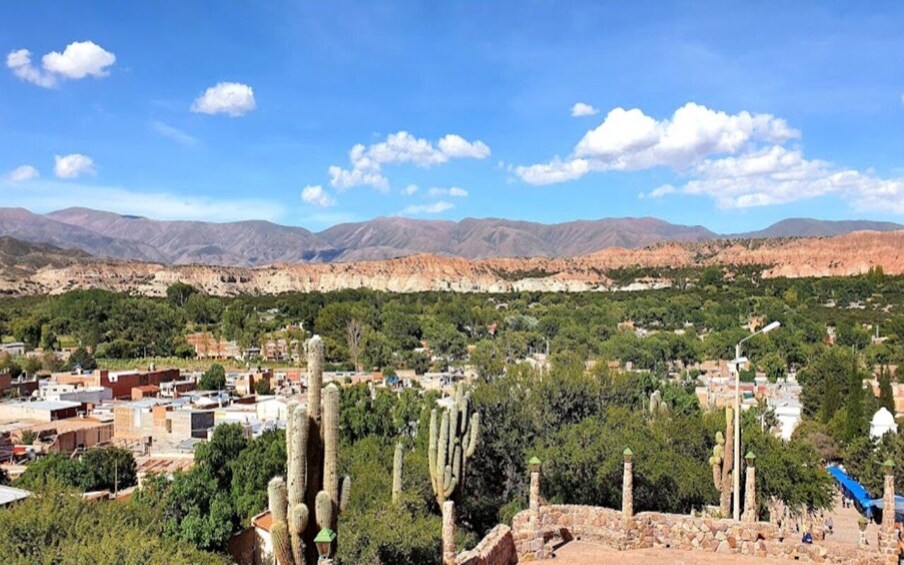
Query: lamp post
[324, 542]
[736, 475]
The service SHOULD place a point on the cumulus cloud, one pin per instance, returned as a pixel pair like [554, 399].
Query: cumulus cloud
[455, 191]
[73, 166]
[739, 160]
[231, 98]
[410, 189]
[401, 148]
[173, 133]
[659, 192]
[23, 173]
[315, 195]
[77, 61]
[555, 171]
[456, 147]
[434, 208]
[777, 175]
[630, 140]
[581, 109]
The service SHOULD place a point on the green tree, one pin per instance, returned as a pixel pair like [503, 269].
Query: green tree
[886, 395]
[487, 360]
[214, 378]
[82, 359]
[178, 294]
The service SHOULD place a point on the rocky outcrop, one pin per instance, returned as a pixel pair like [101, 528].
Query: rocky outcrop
[844, 255]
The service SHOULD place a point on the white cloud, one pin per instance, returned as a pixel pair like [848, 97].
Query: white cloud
[20, 63]
[777, 175]
[581, 109]
[78, 60]
[629, 140]
[456, 147]
[231, 98]
[72, 166]
[400, 148]
[453, 191]
[659, 192]
[315, 195]
[45, 196]
[172, 133]
[435, 208]
[23, 173]
[410, 189]
[555, 171]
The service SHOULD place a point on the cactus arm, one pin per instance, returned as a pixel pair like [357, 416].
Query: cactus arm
[475, 431]
[324, 510]
[298, 521]
[431, 449]
[397, 472]
[345, 493]
[282, 547]
[276, 498]
[331, 445]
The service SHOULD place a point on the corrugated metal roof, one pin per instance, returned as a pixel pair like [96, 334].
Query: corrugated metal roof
[8, 495]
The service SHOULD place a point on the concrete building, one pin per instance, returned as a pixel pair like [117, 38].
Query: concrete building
[121, 382]
[14, 349]
[161, 420]
[40, 411]
[93, 395]
[209, 347]
[66, 436]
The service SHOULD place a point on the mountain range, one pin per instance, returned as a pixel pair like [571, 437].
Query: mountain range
[256, 243]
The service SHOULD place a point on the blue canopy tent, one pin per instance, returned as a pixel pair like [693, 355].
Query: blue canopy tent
[855, 491]
[879, 504]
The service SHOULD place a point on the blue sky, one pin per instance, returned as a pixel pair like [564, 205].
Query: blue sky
[730, 115]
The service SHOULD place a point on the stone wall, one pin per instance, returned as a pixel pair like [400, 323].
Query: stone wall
[558, 524]
[497, 548]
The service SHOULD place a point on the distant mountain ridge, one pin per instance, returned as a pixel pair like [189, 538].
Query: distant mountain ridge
[257, 243]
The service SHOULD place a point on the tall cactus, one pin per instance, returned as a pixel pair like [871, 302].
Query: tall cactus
[312, 448]
[453, 440]
[722, 464]
[657, 404]
[397, 472]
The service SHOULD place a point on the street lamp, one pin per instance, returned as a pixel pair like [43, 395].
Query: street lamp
[324, 542]
[736, 475]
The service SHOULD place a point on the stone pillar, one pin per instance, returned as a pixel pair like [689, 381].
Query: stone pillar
[750, 513]
[448, 533]
[534, 499]
[888, 540]
[627, 500]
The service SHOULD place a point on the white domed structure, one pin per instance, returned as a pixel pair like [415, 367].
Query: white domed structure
[883, 422]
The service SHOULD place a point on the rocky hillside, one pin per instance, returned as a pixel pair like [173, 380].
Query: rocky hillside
[844, 255]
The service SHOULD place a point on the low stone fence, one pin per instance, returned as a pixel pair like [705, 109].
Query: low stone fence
[558, 524]
[538, 531]
[497, 548]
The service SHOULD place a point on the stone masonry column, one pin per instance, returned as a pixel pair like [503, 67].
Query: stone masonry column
[448, 533]
[750, 513]
[888, 540]
[627, 500]
[537, 544]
